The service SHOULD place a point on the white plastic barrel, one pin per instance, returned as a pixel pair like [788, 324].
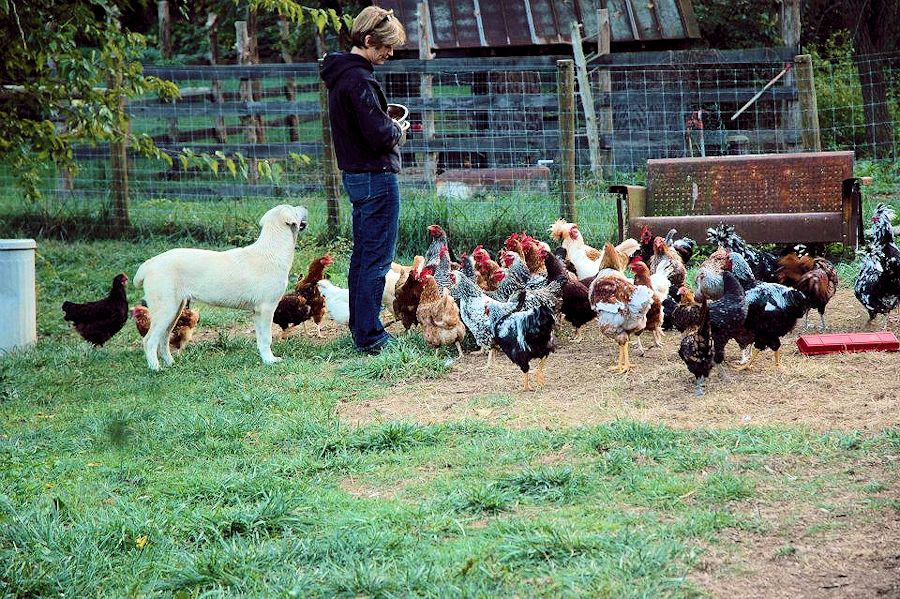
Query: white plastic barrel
[18, 308]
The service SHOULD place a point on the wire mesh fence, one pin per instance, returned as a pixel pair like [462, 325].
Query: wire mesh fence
[484, 151]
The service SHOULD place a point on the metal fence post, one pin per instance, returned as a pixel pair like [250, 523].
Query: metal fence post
[566, 94]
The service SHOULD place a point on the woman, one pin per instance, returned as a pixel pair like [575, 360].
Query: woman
[367, 146]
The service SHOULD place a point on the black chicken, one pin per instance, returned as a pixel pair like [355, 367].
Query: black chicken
[524, 327]
[684, 246]
[696, 349]
[772, 312]
[98, 321]
[763, 264]
[574, 306]
[726, 316]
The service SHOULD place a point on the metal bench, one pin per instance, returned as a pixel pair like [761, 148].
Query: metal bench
[769, 198]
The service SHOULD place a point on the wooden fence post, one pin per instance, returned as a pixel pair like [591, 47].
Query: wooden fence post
[119, 157]
[587, 101]
[246, 95]
[290, 86]
[329, 162]
[429, 159]
[605, 114]
[566, 95]
[212, 32]
[255, 84]
[164, 20]
[809, 110]
[790, 36]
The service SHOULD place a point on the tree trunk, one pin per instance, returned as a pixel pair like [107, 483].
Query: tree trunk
[879, 126]
[868, 22]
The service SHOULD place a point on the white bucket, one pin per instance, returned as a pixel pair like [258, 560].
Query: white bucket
[18, 307]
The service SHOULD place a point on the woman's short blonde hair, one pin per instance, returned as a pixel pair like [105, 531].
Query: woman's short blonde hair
[381, 24]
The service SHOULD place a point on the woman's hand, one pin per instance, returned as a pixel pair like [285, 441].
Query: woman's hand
[404, 127]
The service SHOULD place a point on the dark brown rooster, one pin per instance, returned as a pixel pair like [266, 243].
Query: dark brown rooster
[98, 321]
[815, 277]
[306, 301]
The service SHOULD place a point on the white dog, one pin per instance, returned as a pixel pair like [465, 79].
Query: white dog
[250, 278]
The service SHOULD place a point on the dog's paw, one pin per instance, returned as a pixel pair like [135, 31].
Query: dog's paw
[272, 360]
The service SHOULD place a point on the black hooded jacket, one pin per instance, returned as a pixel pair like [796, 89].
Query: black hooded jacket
[365, 138]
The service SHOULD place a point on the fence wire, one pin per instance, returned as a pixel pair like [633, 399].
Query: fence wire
[484, 151]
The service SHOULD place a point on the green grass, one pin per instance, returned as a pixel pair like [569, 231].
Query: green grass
[223, 477]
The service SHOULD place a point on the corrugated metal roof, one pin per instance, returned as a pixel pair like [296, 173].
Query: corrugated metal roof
[460, 24]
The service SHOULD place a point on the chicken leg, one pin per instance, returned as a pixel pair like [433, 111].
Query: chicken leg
[699, 390]
[490, 359]
[627, 365]
[527, 383]
[749, 363]
[617, 367]
[640, 346]
[539, 376]
[778, 358]
[459, 349]
[578, 336]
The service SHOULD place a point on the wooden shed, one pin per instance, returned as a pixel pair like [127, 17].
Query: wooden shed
[528, 27]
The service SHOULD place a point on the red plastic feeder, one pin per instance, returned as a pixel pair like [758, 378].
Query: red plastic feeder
[813, 345]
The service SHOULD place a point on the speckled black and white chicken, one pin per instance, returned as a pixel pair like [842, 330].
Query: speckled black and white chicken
[877, 286]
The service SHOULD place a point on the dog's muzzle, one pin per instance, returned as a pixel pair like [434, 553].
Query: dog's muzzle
[301, 226]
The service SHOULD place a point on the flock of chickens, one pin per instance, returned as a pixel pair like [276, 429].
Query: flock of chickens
[516, 303]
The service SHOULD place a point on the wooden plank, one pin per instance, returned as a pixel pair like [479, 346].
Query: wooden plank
[451, 104]
[736, 96]
[678, 58]
[587, 100]
[681, 58]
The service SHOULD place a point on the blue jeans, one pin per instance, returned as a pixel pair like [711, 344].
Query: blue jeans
[375, 198]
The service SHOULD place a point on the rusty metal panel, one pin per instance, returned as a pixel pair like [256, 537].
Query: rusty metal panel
[759, 184]
[803, 227]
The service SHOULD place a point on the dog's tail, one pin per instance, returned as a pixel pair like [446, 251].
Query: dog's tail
[138, 279]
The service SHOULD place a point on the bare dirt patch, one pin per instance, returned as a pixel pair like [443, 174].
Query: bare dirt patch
[841, 391]
[835, 547]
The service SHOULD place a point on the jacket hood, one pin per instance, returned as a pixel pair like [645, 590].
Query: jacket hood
[336, 64]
